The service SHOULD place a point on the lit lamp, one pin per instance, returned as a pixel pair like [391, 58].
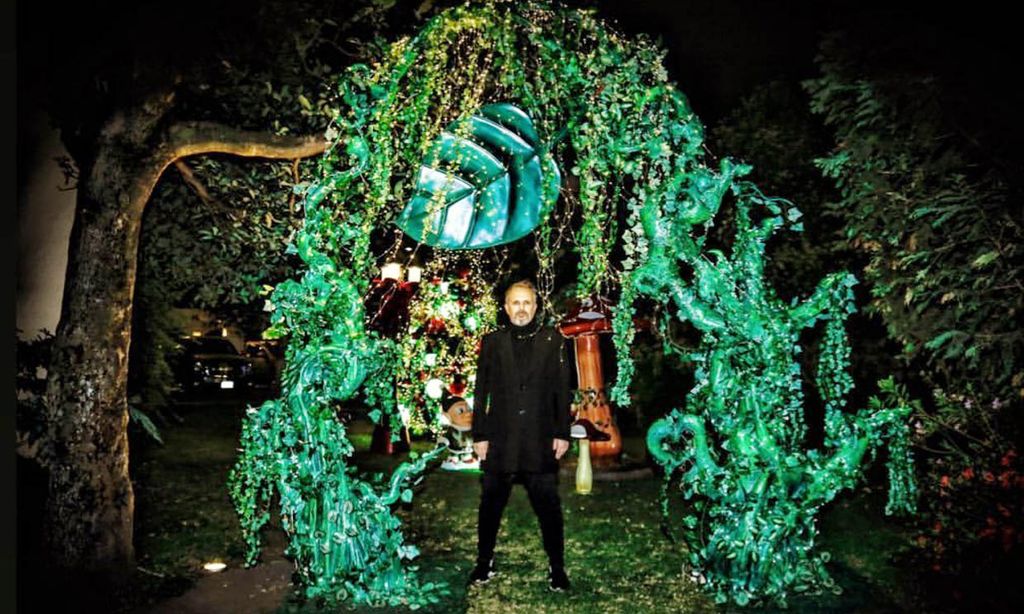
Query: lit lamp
[391, 270]
[415, 273]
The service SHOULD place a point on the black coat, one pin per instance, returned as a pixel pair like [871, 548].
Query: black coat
[520, 411]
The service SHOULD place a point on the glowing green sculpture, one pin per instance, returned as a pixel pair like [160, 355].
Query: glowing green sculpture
[612, 120]
[740, 451]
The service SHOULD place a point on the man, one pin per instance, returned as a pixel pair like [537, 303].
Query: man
[521, 428]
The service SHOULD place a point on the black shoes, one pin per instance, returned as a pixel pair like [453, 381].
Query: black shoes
[557, 580]
[482, 573]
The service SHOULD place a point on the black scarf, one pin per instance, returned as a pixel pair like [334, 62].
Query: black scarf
[520, 334]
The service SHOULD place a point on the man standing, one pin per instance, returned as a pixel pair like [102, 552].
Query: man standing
[521, 428]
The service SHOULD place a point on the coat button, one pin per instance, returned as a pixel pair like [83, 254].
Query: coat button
[522, 412]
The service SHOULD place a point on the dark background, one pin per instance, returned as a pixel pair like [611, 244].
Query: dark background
[718, 49]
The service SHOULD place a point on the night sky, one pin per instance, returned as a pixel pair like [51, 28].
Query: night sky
[719, 49]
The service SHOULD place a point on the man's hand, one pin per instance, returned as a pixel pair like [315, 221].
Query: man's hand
[560, 446]
[480, 449]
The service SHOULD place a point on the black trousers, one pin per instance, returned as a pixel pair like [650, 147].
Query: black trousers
[542, 489]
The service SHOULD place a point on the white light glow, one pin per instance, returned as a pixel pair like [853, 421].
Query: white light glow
[391, 270]
[435, 388]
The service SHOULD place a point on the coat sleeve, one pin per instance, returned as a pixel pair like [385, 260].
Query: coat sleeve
[563, 392]
[482, 391]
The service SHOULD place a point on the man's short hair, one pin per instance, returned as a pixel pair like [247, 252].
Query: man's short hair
[522, 283]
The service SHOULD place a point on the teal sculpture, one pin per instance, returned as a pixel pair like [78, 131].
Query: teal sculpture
[495, 96]
[739, 452]
[492, 191]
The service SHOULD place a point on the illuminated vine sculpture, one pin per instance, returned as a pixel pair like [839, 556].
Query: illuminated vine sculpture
[757, 486]
[604, 113]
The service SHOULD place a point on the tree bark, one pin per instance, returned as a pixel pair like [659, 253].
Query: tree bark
[90, 500]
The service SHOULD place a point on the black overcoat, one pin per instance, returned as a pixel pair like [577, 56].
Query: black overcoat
[519, 411]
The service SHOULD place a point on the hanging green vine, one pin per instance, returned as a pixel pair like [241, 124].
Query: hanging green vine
[603, 112]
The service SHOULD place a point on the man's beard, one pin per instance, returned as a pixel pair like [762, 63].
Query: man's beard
[521, 319]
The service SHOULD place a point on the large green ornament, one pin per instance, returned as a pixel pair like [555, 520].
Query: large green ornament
[482, 183]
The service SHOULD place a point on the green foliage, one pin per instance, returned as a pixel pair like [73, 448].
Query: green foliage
[942, 237]
[140, 417]
[971, 529]
[216, 228]
[773, 130]
[32, 359]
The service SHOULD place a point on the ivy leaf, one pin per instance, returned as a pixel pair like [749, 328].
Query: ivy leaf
[495, 192]
[984, 259]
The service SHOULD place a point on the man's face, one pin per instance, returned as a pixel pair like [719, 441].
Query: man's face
[520, 305]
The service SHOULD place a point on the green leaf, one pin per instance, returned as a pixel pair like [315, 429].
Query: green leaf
[984, 259]
[147, 425]
[484, 189]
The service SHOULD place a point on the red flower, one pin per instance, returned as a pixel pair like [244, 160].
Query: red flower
[968, 473]
[1007, 538]
[1005, 477]
[938, 527]
[1008, 458]
[988, 477]
[944, 482]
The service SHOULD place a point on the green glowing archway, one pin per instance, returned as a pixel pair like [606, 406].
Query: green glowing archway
[604, 111]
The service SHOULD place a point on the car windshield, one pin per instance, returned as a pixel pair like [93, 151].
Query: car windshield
[213, 346]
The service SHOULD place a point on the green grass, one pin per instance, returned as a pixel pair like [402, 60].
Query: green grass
[184, 515]
[616, 556]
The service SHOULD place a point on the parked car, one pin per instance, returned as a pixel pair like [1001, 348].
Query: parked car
[211, 363]
[267, 362]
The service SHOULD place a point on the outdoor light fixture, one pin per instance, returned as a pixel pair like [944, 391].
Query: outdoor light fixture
[197, 333]
[435, 388]
[391, 270]
[214, 566]
[415, 273]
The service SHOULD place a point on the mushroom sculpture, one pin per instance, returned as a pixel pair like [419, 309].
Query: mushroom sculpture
[585, 431]
[591, 317]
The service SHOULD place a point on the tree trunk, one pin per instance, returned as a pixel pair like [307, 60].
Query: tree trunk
[90, 501]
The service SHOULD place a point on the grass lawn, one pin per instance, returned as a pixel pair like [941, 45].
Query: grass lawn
[617, 559]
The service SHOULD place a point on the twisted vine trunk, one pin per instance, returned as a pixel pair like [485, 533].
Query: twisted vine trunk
[90, 502]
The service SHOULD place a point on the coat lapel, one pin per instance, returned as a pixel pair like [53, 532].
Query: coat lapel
[509, 363]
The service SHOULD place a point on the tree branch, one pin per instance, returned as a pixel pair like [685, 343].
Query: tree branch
[191, 138]
[190, 179]
[204, 195]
